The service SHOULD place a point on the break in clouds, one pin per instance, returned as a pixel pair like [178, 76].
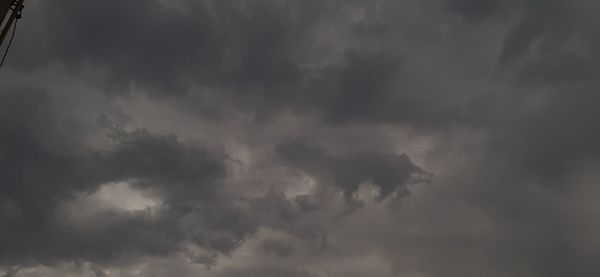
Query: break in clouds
[316, 138]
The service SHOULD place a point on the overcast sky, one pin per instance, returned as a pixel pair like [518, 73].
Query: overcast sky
[301, 138]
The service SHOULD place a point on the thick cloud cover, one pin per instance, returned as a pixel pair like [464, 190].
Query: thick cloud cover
[47, 165]
[301, 138]
[388, 172]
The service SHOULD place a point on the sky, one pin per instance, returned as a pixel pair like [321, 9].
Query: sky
[313, 138]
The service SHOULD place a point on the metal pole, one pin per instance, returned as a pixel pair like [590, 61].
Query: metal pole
[16, 13]
[4, 6]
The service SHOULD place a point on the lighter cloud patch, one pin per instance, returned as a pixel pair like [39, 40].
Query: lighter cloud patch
[303, 186]
[122, 196]
[242, 157]
[111, 197]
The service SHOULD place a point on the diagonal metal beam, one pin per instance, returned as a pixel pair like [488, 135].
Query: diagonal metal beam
[16, 13]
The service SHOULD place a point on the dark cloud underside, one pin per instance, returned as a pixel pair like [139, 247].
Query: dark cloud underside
[301, 138]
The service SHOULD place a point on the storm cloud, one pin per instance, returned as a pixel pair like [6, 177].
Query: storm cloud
[301, 138]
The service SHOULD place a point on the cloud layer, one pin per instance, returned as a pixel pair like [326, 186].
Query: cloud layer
[301, 138]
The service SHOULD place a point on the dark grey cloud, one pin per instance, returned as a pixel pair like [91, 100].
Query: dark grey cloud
[296, 216]
[277, 248]
[253, 54]
[496, 98]
[268, 271]
[244, 43]
[99, 273]
[390, 173]
[473, 10]
[38, 158]
[47, 165]
[164, 161]
[545, 42]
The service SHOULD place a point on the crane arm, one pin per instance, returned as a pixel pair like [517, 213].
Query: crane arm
[14, 7]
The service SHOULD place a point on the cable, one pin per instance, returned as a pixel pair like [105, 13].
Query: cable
[12, 37]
